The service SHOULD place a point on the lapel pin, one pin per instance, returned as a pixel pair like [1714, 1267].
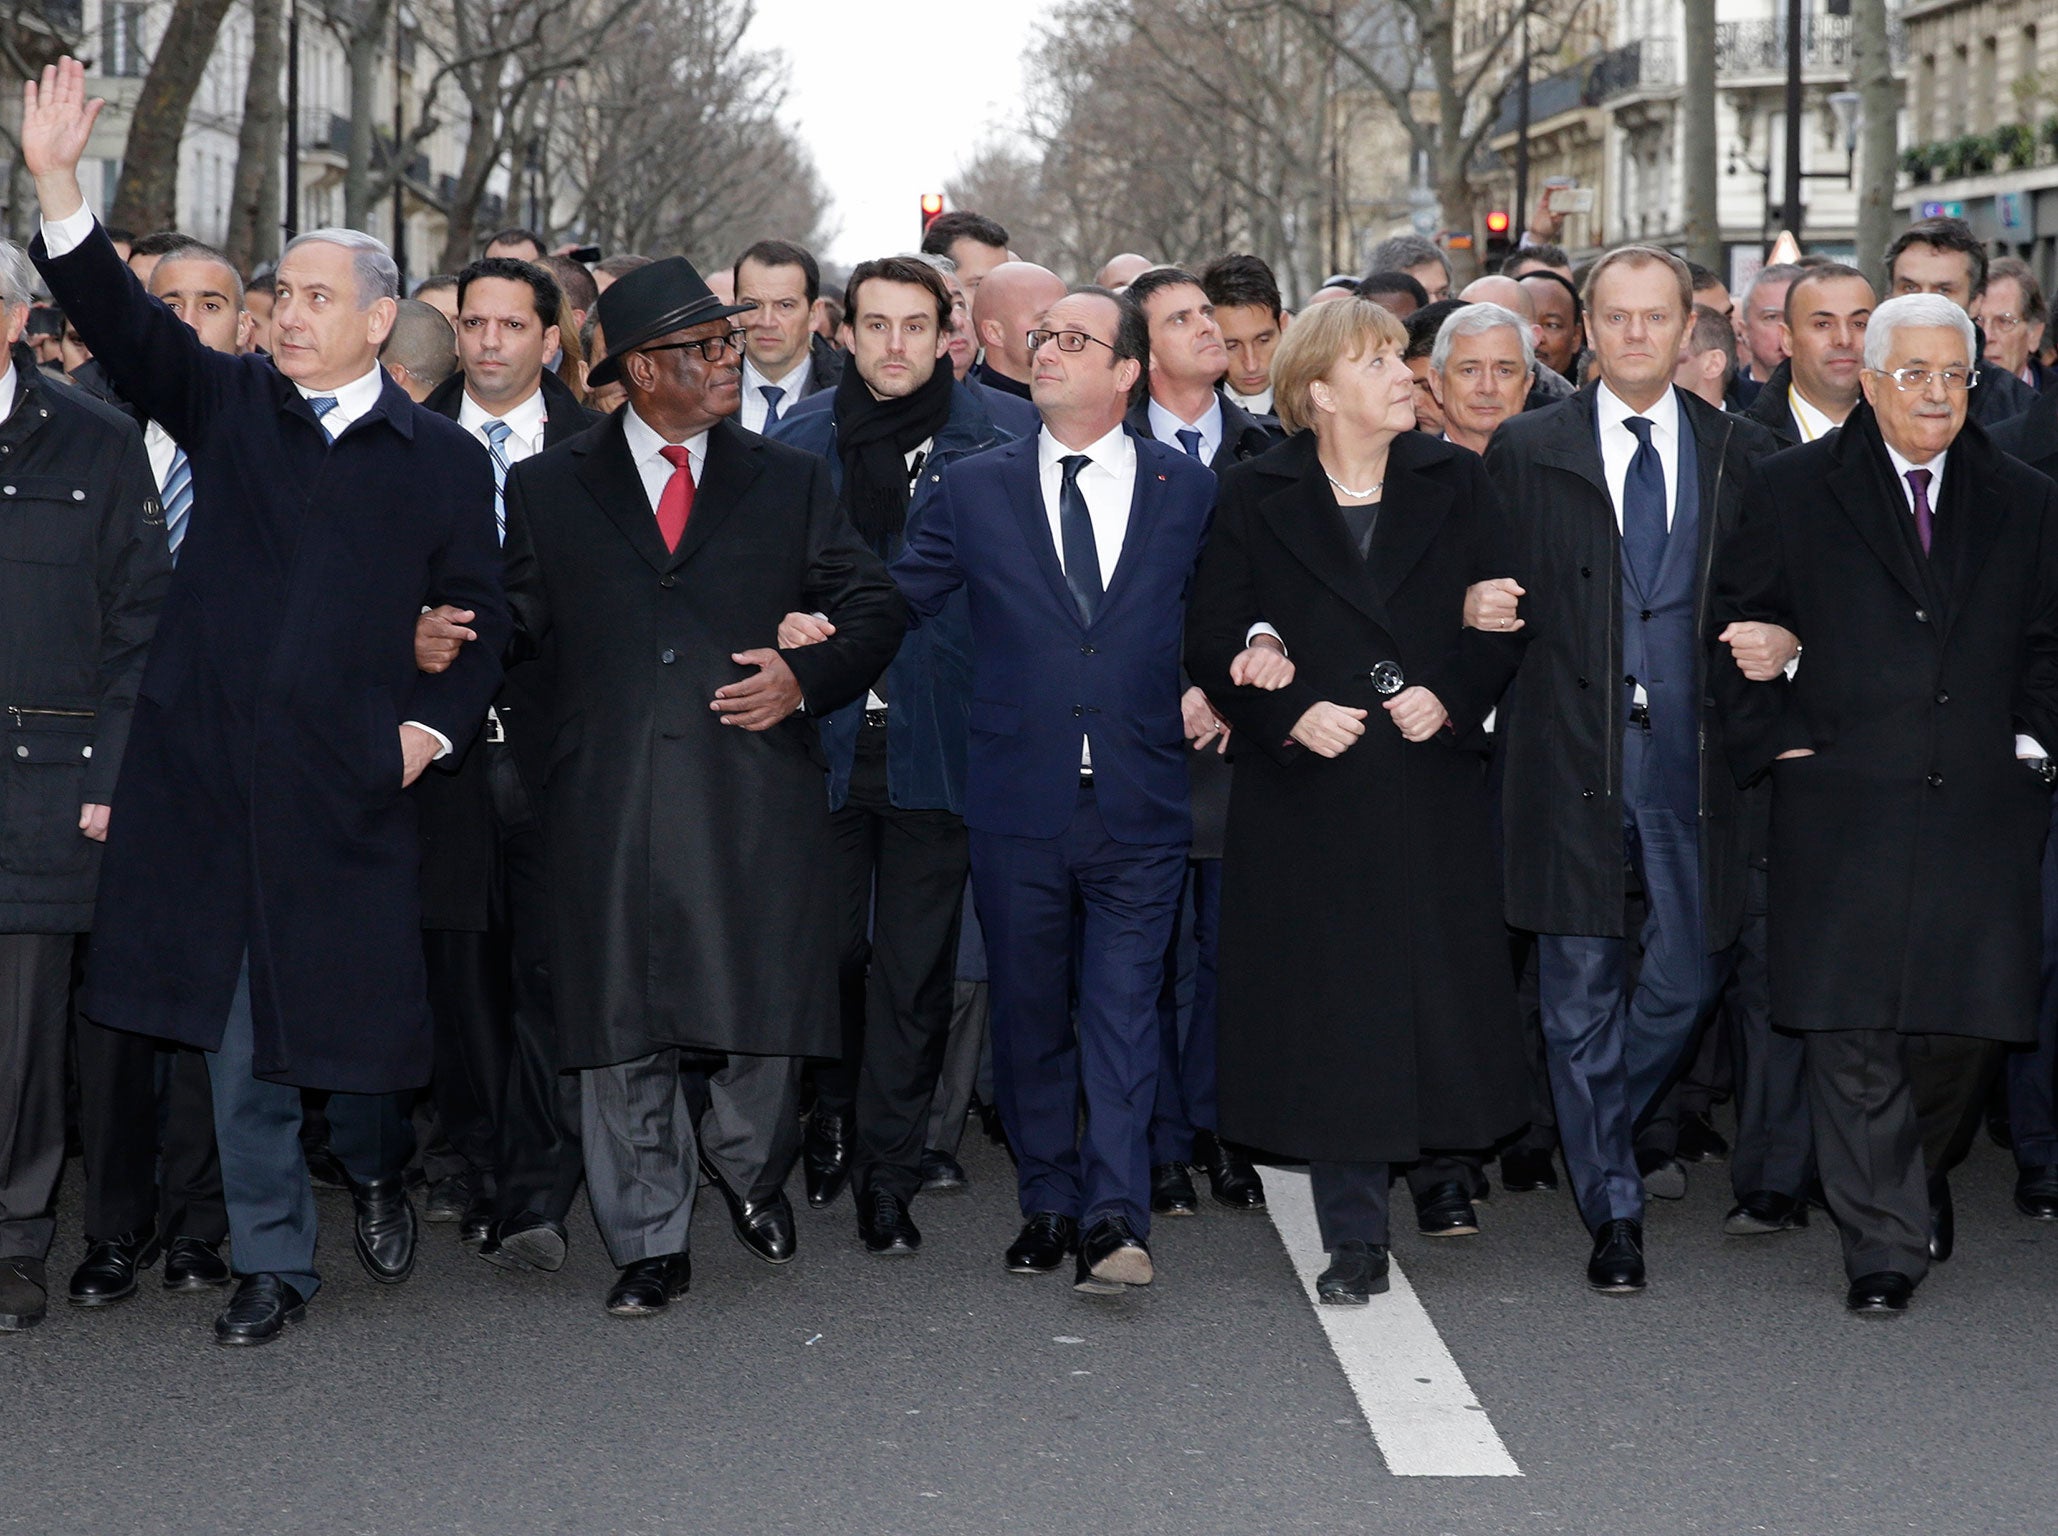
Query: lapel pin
[1161, 477]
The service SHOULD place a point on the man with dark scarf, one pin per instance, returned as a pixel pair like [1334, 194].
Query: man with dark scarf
[897, 758]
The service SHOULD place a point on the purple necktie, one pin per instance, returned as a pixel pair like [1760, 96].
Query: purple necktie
[1918, 482]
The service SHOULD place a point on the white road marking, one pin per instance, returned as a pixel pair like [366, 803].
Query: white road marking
[1421, 1410]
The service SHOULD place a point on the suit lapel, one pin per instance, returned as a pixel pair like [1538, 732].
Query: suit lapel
[1302, 516]
[1411, 514]
[1975, 518]
[734, 461]
[1146, 501]
[1867, 495]
[610, 477]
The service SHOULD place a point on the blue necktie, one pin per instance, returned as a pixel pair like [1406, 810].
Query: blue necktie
[773, 395]
[1643, 508]
[178, 500]
[1189, 439]
[321, 405]
[1082, 555]
[497, 434]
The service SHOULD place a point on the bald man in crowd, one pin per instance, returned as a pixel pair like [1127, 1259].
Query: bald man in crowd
[421, 350]
[1123, 270]
[1004, 309]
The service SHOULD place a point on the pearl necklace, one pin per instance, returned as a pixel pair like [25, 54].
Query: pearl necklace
[1372, 490]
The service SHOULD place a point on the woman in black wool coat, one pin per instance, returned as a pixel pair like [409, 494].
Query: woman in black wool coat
[1367, 1013]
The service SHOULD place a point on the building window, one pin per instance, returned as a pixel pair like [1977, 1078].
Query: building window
[121, 39]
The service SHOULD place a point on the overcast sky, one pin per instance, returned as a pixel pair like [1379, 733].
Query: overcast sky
[890, 96]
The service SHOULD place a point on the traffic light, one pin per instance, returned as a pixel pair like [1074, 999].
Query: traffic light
[932, 209]
[1497, 242]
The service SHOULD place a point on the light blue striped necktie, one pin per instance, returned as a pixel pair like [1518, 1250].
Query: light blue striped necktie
[497, 434]
[177, 498]
[321, 405]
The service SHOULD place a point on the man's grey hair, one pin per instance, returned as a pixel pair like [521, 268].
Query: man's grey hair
[1399, 253]
[942, 264]
[1778, 272]
[1477, 320]
[377, 275]
[1915, 309]
[17, 276]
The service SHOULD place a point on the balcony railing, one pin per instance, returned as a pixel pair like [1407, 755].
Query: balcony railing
[1759, 47]
[1643, 65]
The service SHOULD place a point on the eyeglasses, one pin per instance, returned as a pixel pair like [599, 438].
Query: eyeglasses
[1909, 379]
[709, 347]
[1068, 341]
[2003, 323]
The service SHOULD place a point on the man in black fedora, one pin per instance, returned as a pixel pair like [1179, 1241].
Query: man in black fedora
[693, 939]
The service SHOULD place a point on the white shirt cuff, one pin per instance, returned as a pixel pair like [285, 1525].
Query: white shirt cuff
[1262, 628]
[443, 749]
[2029, 746]
[63, 236]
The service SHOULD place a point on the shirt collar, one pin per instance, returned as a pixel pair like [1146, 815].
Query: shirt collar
[753, 380]
[1259, 404]
[354, 399]
[645, 441]
[1612, 410]
[1812, 422]
[1164, 423]
[1113, 452]
[1902, 465]
[524, 420]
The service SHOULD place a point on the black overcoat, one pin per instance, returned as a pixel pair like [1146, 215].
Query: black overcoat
[1367, 1011]
[455, 795]
[686, 857]
[259, 809]
[1561, 728]
[1906, 852]
[83, 567]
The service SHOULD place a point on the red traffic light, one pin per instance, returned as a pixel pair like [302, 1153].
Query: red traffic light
[1497, 222]
[932, 206]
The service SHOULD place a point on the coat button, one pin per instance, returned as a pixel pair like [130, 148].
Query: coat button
[1077, 711]
[21, 751]
[1586, 570]
[1943, 697]
[1584, 683]
[669, 657]
[1586, 794]
[1922, 615]
[78, 495]
[1936, 781]
[668, 581]
[1086, 650]
[85, 751]
[8, 489]
[1645, 615]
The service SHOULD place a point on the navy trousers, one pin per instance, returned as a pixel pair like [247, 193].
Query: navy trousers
[1045, 1066]
[264, 1172]
[2033, 1074]
[1612, 1049]
[1186, 1020]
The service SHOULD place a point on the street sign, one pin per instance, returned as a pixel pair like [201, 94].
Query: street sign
[1950, 210]
[2008, 210]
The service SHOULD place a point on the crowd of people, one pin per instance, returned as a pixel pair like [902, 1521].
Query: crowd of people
[620, 727]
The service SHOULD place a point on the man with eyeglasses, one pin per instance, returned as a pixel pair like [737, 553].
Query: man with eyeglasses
[1910, 785]
[1076, 548]
[693, 942]
[2013, 314]
[1942, 256]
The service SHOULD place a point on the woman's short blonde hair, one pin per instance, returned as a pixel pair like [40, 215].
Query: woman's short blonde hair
[1319, 339]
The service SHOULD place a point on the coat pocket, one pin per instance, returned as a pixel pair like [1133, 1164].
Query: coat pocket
[47, 749]
[44, 520]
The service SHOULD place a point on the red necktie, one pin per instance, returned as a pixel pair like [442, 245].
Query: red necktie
[677, 501]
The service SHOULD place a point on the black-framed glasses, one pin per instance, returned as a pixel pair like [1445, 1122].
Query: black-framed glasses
[1068, 341]
[709, 347]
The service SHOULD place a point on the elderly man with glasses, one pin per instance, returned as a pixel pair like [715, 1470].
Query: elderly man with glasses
[693, 938]
[1910, 783]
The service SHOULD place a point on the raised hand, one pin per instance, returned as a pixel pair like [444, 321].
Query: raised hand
[56, 123]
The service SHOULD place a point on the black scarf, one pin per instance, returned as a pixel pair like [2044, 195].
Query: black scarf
[875, 437]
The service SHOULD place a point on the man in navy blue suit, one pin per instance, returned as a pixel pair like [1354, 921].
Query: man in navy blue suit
[1076, 549]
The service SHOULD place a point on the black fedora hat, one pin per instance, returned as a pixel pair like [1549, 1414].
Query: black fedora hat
[653, 301]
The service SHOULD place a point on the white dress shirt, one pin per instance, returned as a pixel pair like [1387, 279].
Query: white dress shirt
[525, 425]
[1109, 485]
[1811, 423]
[10, 388]
[1259, 404]
[1166, 427]
[1935, 467]
[159, 445]
[354, 401]
[752, 415]
[1619, 444]
[646, 451]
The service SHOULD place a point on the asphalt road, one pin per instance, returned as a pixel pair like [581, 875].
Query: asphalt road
[939, 1394]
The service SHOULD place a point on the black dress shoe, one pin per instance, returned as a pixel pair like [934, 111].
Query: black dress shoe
[1663, 1174]
[646, 1287]
[942, 1173]
[1617, 1265]
[1528, 1172]
[108, 1272]
[764, 1226]
[386, 1229]
[1171, 1191]
[449, 1198]
[825, 1156]
[1699, 1141]
[477, 1224]
[1765, 1211]
[1112, 1259]
[1881, 1295]
[1232, 1179]
[260, 1310]
[1446, 1211]
[525, 1242]
[1943, 1220]
[1357, 1272]
[24, 1298]
[325, 1168]
[2036, 1192]
[193, 1265]
[1043, 1243]
[885, 1226]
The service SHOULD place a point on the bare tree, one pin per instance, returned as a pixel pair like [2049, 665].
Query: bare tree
[33, 35]
[254, 212]
[147, 195]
